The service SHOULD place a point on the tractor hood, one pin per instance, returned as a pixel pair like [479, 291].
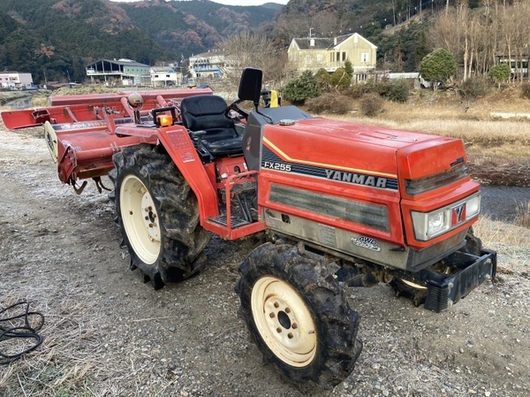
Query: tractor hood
[343, 149]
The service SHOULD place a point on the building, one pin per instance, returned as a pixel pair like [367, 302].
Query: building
[16, 80]
[208, 65]
[413, 78]
[120, 72]
[314, 53]
[164, 76]
[518, 64]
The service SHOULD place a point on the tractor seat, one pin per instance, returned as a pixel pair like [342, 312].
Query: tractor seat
[208, 113]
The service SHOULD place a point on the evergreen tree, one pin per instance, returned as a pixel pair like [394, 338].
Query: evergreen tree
[438, 66]
[500, 73]
[302, 88]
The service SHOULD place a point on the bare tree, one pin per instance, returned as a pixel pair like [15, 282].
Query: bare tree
[478, 38]
[250, 50]
[521, 33]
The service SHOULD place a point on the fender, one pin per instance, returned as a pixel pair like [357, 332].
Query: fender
[180, 148]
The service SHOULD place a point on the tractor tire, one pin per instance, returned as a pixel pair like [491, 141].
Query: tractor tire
[298, 315]
[158, 215]
[418, 293]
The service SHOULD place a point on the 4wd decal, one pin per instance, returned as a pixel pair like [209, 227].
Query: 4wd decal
[366, 242]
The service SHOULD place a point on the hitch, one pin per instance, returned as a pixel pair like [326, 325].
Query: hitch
[473, 271]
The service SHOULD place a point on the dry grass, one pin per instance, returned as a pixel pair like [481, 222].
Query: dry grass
[70, 357]
[523, 216]
[42, 100]
[77, 356]
[511, 242]
[497, 232]
[451, 119]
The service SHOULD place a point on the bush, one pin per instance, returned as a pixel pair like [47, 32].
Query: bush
[302, 88]
[398, 91]
[329, 103]
[358, 90]
[525, 90]
[323, 79]
[473, 88]
[371, 104]
[381, 87]
[340, 80]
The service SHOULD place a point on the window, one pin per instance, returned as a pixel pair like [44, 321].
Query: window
[343, 56]
[364, 57]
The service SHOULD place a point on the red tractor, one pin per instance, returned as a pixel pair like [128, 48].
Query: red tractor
[334, 204]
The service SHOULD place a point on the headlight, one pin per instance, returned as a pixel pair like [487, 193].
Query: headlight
[473, 206]
[428, 225]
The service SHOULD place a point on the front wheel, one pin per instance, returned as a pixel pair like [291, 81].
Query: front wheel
[298, 316]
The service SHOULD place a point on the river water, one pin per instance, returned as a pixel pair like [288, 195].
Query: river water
[20, 104]
[502, 202]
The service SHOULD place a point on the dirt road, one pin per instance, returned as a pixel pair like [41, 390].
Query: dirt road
[108, 334]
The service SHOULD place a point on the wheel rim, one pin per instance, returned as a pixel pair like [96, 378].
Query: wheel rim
[414, 285]
[140, 219]
[284, 321]
[52, 142]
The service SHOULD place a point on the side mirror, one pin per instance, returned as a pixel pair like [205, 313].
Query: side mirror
[250, 85]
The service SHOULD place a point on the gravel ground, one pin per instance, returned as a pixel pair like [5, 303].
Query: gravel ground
[108, 334]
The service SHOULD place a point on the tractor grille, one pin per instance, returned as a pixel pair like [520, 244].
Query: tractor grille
[372, 215]
[431, 182]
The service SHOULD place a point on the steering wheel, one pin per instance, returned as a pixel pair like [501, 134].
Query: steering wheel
[234, 106]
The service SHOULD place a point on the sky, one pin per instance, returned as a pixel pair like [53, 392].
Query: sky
[231, 2]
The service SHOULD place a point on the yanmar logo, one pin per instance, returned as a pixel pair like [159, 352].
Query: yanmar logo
[358, 179]
[458, 214]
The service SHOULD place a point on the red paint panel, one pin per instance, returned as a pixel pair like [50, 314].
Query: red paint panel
[179, 146]
[359, 194]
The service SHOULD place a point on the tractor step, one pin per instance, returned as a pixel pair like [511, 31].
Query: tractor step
[247, 187]
[236, 221]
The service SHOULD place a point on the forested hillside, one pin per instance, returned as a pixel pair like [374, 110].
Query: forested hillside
[56, 39]
[190, 27]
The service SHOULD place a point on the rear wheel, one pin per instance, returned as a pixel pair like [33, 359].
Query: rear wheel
[298, 315]
[158, 215]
